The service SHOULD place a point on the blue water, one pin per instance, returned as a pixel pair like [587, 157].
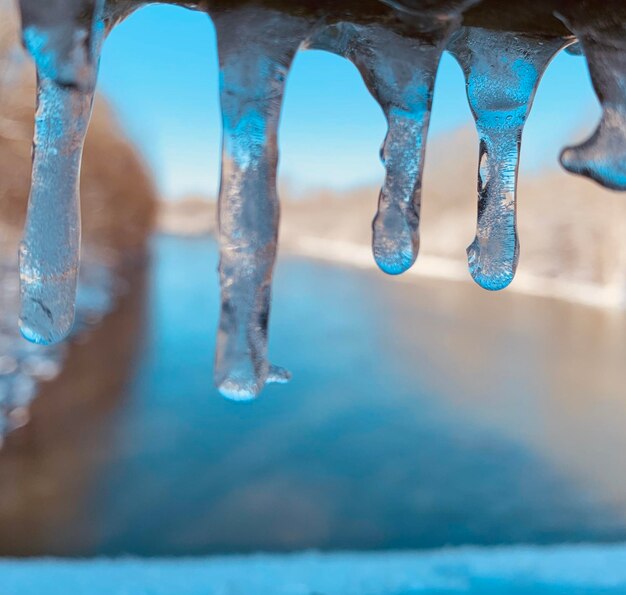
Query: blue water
[419, 416]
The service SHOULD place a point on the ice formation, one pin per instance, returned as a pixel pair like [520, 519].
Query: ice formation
[602, 38]
[398, 63]
[24, 365]
[502, 71]
[66, 57]
[252, 83]
[503, 49]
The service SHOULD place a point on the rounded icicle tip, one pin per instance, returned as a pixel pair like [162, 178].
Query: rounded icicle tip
[44, 334]
[235, 391]
[606, 167]
[47, 295]
[47, 301]
[243, 387]
[489, 273]
[601, 38]
[394, 262]
[493, 282]
[395, 242]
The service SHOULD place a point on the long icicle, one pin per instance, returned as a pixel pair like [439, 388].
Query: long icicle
[602, 37]
[256, 48]
[502, 71]
[50, 249]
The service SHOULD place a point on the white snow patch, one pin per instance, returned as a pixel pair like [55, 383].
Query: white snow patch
[437, 267]
[571, 570]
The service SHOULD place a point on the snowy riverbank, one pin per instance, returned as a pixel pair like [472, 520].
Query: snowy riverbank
[437, 267]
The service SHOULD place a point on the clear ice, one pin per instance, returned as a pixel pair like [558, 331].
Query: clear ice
[503, 49]
[23, 365]
[252, 83]
[50, 249]
[602, 38]
[63, 37]
[502, 71]
[398, 64]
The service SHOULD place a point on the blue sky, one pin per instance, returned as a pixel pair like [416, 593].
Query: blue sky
[159, 69]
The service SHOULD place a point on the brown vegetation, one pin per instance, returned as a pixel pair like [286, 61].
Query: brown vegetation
[191, 216]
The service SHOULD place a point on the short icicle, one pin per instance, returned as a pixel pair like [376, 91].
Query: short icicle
[398, 64]
[50, 249]
[256, 48]
[602, 37]
[502, 71]
[400, 73]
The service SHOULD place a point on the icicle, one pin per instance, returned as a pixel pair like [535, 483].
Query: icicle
[502, 71]
[602, 36]
[64, 37]
[400, 74]
[256, 47]
[49, 252]
[398, 65]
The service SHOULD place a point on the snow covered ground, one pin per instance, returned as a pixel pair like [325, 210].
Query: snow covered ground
[570, 570]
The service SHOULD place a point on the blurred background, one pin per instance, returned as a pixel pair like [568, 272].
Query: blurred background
[423, 411]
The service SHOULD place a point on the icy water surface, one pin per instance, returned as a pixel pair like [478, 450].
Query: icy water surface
[420, 415]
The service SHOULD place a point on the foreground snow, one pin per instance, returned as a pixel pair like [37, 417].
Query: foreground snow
[571, 570]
